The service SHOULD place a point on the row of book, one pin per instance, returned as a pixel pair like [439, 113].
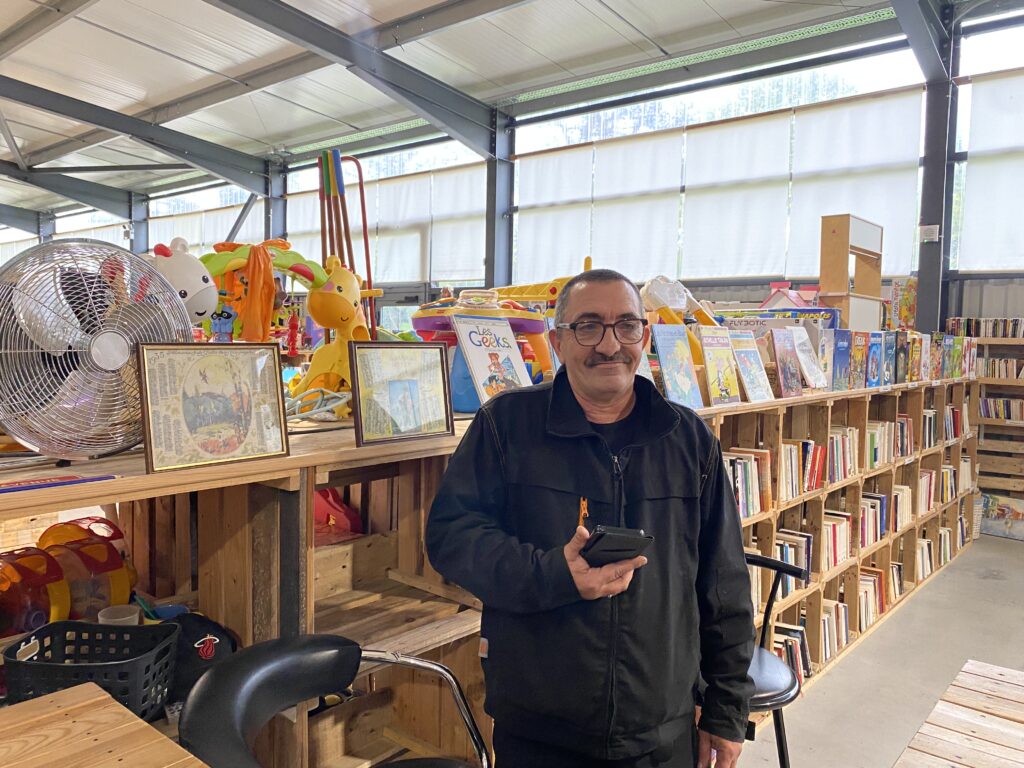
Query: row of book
[1010, 408]
[902, 507]
[802, 468]
[790, 645]
[794, 547]
[925, 559]
[903, 441]
[835, 628]
[961, 532]
[881, 439]
[947, 483]
[871, 595]
[895, 588]
[835, 531]
[955, 422]
[928, 433]
[1001, 368]
[750, 471]
[926, 492]
[843, 450]
[1001, 327]
[945, 545]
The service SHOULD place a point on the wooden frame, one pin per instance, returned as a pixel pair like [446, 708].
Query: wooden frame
[359, 383]
[269, 406]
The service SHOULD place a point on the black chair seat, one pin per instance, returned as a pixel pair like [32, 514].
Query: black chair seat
[430, 762]
[775, 683]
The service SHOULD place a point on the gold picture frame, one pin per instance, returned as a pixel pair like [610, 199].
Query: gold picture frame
[206, 404]
[400, 391]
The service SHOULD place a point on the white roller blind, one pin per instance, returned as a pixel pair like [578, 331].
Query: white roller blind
[858, 157]
[991, 237]
[551, 242]
[737, 195]
[458, 206]
[203, 229]
[639, 165]
[556, 177]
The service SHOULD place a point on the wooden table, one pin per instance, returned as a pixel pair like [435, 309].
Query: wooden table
[83, 727]
[978, 723]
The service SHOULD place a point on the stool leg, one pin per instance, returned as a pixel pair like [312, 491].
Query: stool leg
[780, 738]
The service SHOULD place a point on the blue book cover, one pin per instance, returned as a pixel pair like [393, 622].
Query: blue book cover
[874, 376]
[841, 361]
[889, 358]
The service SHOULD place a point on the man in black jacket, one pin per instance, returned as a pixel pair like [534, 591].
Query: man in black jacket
[573, 680]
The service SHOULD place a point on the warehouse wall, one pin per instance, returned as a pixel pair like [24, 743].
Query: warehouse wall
[990, 298]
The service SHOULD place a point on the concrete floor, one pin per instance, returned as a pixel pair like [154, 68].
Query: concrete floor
[866, 709]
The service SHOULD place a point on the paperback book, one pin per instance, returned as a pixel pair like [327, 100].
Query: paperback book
[958, 356]
[787, 363]
[719, 367]
[826, 353]
[888, 358]
[808, 358]
[935, 353]
[902, 356]
[841, 361]
[675, 361]
[859, 360]
[492, 355]
[947, 357]
[914, 358]
[751, 369]
[874, 374]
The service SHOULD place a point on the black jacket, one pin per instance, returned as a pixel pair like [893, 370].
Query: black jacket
[612, 678]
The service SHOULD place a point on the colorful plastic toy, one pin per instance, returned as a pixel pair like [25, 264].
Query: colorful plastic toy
[82, 528]
[33, 591]
[96, 575]
[189, 276]
[672, 300]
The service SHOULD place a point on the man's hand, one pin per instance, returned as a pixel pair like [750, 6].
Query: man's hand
[726, 754]
[605, 581]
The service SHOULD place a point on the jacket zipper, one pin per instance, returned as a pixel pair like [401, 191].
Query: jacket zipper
[613, 644]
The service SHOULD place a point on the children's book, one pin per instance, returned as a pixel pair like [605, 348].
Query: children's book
[874, 374]
[719, 367]
[826, 353]
[492, 355]
[644, 369]
[888, 358]
[914, 360]
[751, 369]
[859, 359]
[808, 358]
[787, 363]
[970, 356]
[935, 352]
[902, 356]
[841, 361]
[926, 356]
[947, 357]
[958, 355]
[676, 363]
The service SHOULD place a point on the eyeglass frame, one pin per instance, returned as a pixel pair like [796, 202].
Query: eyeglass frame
[644, 322]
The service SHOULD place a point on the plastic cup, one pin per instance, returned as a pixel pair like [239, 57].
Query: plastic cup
[120, 614]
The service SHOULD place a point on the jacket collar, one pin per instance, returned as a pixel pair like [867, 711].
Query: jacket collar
[566, 417]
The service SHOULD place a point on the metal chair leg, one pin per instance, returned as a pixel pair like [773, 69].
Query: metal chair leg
[780, 738]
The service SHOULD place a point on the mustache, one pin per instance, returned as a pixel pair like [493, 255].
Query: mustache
[597, 358]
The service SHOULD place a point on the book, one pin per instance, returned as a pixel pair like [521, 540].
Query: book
[54, 481]
[750, 367]
[808, 359]
[902, 508]
[786, 362]
[678, 376]
[947, 357]
[904, 302]
[958, 356]
[859, 359]
[935, 353]
[826, 353]
[902, 357]
[841, 361]
[888, 358]
[914, 340]
[874, 374]
[492, 355]
[926, 357]
[719, 365]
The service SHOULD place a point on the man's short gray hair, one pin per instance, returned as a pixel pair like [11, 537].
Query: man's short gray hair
[594, 276]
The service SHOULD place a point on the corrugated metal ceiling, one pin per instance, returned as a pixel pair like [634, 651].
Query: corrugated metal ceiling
[130, 55]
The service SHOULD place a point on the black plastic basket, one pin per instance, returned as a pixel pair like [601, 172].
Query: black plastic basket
[135, 665]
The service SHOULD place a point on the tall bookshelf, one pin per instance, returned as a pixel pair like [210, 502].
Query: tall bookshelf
[766, 425]
[1001, 441]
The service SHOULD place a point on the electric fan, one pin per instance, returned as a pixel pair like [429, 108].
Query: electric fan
[71, 314]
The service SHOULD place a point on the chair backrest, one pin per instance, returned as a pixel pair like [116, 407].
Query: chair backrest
[236, 698]
[781, 569]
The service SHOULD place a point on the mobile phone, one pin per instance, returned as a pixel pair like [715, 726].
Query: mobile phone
[610, 545]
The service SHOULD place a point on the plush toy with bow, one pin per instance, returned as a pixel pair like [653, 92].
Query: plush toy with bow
[189, 276]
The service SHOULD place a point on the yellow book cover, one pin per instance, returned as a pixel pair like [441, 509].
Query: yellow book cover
[719, 365]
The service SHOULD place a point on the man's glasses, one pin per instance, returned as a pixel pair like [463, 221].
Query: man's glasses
[590, 333]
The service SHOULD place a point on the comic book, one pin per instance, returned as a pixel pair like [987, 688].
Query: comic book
[859, 359]
[787, 362]
[902, 356]
[808, 358]
[888, 358]
[874, 373]
[678, 375]
[826, 353]
[751, 369]
[719, 366]
[492, 355]
[841, 361]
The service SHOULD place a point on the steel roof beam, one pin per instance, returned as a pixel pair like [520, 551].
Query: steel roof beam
[457, 114]
[407, 29]
[231, 165]
[12, 143]
[921, 21]
[114, 168]
[38, 23]
[20, 218]
[99, 196]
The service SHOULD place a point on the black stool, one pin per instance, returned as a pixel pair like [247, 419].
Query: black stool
[775, 683]
[236, 698]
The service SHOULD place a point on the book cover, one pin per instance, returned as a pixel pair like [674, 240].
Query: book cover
[904, 302]
[492, 355]
[859, 359]
[935, 351]
[874, 374]
[675, 360]
[972, 357]
[947, 357]
[787, 363]
[914, 359]
[719, 366]
[841, 361]
[888, 358]
[826, 353]
[11, 486]
[926, 356]
[807, 356]
[902, 357]
[751, 369]
[958, 356]
[644, 369]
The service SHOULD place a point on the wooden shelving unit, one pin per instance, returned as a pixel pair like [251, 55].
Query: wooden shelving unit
[1001, 443]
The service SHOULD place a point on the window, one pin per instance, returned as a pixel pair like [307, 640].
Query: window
[93, 225]
[204, 218]
[14, 241]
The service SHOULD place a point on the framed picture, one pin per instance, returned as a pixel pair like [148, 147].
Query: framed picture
[211, 404]
[400, 391]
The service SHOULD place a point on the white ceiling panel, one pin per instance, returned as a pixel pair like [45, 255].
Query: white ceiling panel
[335, 93]
[13, 11]
[354, 16]
[223, 126]
[191, 30]
[27, 196]
[767, 17]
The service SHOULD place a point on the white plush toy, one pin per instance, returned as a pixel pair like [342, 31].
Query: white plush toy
[189, 277]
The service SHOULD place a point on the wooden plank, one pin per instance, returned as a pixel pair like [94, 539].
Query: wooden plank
[1007, 465]
[265, 545]
[332, 570]
[1003, 446]
[20, 716]
[463, 659]
[968, 721]
[981, 669]
[410, 527]
[1004, 709]
[967, 742]
[142, 544]
[211, 592]
[235, 550]
[914, 759]
[998, 483]
[163, 547]
[449, 591]
[1003, 690]
[182, 544]
[415, 745]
